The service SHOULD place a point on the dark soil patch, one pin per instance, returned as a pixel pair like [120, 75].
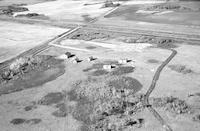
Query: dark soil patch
[33, 121]
[126, 83]
[87, 18]
[30, 72]
[30, 107]
[171, 104]
[180, 69]
[18, 121]
[99, 72]
[72, 96]
[62, 110]
[123, 70]
[153, 61]
[91, 47]
[52, 98]
[57, 99]
[99, 103]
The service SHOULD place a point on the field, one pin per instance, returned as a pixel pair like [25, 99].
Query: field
[187, 15]
[18, 2]
[16, 38]
[68, 10]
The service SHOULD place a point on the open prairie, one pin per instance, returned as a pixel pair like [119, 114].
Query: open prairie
[97, 65]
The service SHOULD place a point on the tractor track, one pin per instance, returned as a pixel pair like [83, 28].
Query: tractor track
[152, 87]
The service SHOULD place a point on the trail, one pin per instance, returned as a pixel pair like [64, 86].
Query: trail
[152, 87]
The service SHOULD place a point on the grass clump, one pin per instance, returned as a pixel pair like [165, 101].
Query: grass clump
[172, 104]
[180, 69]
